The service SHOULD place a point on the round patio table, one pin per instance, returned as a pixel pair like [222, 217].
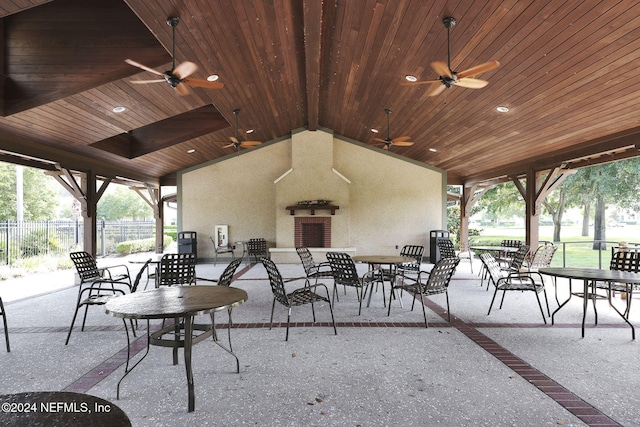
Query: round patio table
[588, 275]
[177, 302]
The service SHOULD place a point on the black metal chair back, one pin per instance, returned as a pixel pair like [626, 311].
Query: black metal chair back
[412, 251]
[227, 275]
[311, 269]
[445, 246]
[492, 267]
[518, 258]
[625, 261]
[257, 247]
[440, 276]
[85, 266]
[276, 282]
[344, 269]
[176, 269]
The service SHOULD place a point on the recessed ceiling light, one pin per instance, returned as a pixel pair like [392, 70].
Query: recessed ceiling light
[192, 150]
[502, 109]
[118, 109]
[213, 77]
[374, 130]
[411, 78]
[249, 131]
[433, 150]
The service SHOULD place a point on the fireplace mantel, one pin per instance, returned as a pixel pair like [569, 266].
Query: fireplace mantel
[313, 208]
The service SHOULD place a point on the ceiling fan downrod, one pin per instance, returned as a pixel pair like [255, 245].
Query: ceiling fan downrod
[449, 22]
[173, 23]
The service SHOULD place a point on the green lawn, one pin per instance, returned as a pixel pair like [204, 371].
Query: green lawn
[573, 250]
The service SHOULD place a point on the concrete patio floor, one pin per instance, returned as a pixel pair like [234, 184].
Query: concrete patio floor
[505, 369]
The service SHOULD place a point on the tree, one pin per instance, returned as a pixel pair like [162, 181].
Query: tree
[120, 202]
[39, 203]
[616, 182]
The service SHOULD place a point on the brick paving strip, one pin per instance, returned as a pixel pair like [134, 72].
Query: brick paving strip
[584, 411]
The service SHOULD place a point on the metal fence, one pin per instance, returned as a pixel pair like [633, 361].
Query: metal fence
[23, 239]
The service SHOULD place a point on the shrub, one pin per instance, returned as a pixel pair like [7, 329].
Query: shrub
[143, 245]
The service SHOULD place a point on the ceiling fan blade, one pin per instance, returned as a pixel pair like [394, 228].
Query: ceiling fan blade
[419, 83]
[143, 67]
[203, 83]
[386, 147]
[185, 69]
[472, 83]
[487, 66]
[183, 89]
[384, 141]
[401, 139]
[403, 143]
[228, 146]
[436, 89]
[442, 69]
[234, 139]
[250, 143]
[144, 82]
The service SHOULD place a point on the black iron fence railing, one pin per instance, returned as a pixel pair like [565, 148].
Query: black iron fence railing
[23, 239]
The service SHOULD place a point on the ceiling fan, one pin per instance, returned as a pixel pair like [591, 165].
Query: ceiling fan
[401, 141]
[448, 77]
[235, 142]
[177, 77]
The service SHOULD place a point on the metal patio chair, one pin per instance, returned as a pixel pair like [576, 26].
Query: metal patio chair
[96, 294]
[513, 281]
[225, 280]
[301, 296]
[224, 249]
[621, 261]
[437, 283]
[346, 274]
[447, 250]
[89, 272]
[311, 269]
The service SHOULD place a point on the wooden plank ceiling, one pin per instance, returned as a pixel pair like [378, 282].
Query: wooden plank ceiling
[569, 75]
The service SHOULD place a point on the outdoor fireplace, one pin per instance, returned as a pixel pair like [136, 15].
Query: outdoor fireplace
[312, 232]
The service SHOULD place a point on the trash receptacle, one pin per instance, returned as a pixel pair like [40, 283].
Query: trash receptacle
[188, 243]
[434, 252]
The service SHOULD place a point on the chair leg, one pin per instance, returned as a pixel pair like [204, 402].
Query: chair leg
[540, 305]
[286, 338]
[84, 318]
[492, 300]
[333, 321]
[4, 322]
[448, 310]
[273, 306]
[424, 311]
[75, 314]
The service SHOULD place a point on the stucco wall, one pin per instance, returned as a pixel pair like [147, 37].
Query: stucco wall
[384, 201]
